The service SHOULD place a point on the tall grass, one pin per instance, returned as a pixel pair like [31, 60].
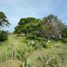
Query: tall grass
[33, 51]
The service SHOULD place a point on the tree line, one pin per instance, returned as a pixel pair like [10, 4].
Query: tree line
[49, 27]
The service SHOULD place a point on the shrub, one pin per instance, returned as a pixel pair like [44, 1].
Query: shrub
[64, 40]
[3, 35]
[64, 35]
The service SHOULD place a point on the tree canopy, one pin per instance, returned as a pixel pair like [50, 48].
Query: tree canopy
[26, 25]
[49, 27]
[3, 20]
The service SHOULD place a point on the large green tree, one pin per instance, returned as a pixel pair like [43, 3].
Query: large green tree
[26, 25]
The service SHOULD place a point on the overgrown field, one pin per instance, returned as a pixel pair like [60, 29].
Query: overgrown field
[17, 51]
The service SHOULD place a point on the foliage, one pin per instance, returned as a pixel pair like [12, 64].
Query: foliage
[49, 27]
[22, 56]
[3, 20]
[26, 25]
[30, 48]
[58, 53]
[3, 35]
[64, 35]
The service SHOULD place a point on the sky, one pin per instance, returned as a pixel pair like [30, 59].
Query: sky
[16, 9]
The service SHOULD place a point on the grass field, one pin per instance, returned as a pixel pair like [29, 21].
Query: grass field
[55, 56]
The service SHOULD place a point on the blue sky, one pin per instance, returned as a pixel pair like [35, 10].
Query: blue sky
[16, 9]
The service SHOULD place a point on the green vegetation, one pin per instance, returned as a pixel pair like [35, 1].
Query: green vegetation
[3, 22]
[17, 52]
[3, 36]
[49, 27]
[64, 34]
[34, 43]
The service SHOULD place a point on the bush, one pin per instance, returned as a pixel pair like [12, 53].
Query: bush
[3, 35]
[64, 35]
[64, 40]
